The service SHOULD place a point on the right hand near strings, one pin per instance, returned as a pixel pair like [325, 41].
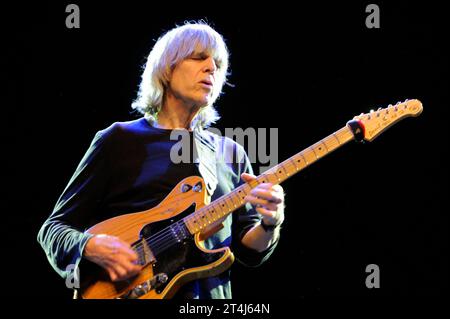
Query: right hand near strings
[114, 255]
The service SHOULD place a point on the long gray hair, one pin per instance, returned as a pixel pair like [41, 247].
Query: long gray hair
[170, 49]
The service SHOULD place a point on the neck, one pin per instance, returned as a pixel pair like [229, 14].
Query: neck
[171, 119]
[176, 114]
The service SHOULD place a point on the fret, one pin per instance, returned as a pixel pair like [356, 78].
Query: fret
[300, 162]
[294, 163]
[337, 139]
[329, 143]
[286, 168]
[235, 199]
[275, 175]
[309, 157]
[319, 150]
[241, 193]
[263, 178]
[214, 213]
[198, 220]
[196, 224]
[282, 170]
[311, 148]
[224, 206]
[227, 201]
[304, 158]
[204, 218]
[325, 145]
[209, 213]
[218, 208]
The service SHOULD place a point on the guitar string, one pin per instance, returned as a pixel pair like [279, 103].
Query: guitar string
[164, 239]
[158, 237]
[165, 235]
[286, 164]
[161, 237]
[163, 243]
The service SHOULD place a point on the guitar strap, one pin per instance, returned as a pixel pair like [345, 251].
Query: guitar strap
[205, 158]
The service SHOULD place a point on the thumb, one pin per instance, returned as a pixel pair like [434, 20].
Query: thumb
[247, 177]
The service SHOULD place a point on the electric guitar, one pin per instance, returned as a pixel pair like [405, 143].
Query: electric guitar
[169, 237]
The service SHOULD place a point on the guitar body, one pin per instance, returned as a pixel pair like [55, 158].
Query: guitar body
[164, 272]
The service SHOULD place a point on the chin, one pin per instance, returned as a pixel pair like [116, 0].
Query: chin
[204, 103]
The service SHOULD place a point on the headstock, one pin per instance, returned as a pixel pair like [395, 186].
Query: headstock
[376, 122]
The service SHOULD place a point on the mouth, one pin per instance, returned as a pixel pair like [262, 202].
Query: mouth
[206, 83]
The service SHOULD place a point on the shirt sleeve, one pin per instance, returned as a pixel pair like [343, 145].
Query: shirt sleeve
[243, 220]
[62, 235]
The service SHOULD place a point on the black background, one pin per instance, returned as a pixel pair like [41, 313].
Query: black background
[305, 69]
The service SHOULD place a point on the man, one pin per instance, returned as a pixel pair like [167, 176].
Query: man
[128, 168]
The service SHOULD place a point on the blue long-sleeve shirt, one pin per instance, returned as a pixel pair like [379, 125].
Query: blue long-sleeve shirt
[127, 169]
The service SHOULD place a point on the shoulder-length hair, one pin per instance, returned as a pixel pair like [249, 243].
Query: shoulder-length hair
[170, 49]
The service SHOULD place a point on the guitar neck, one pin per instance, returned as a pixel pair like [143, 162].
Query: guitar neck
[228, 203]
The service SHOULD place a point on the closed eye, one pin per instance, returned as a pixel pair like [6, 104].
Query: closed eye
[199, 57]
[202, 57]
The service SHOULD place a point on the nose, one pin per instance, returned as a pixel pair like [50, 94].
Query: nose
[210, 65]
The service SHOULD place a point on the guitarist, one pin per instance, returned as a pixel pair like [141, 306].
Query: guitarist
[128, 168]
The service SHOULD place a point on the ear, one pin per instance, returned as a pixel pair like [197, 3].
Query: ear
[167, 77]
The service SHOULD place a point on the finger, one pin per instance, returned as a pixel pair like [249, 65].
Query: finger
[270, 206]
[260, 202]
[278, 188]
[130, 270]
[268, 195]
[130, 265]
[112, 274]
[120, 271]
[274, 188]
[266, 213]
[126, 262]
[247, 177]
[126, 250]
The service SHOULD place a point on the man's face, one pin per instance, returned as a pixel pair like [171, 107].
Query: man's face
[192, 81]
